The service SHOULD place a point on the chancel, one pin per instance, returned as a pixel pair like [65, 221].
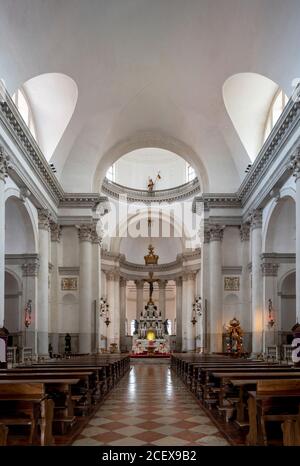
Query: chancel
[149, 223]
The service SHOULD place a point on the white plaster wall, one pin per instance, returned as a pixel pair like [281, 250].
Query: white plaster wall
[70, 247]
[231, 247]
[69, 312]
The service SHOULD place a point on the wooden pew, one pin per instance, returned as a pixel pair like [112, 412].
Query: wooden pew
[22, 403]
[3, 435]
[277, 395]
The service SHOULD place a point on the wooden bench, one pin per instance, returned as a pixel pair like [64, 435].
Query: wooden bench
[273, 401]
[23, 403]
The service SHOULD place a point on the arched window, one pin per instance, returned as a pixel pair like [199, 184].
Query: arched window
[132, 327]
[190, 173]
[21, 102]
[279, 102]
[111, 173]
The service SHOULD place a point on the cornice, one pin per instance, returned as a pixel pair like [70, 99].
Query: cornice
[232, 270]
[278, 258]
[180, 193]
[20, 134]
[72, 271]
[216, 201]
[287, 122]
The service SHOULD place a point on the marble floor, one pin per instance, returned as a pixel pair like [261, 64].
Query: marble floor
[150, 406]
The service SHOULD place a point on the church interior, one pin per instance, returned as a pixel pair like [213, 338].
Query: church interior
[149, 223]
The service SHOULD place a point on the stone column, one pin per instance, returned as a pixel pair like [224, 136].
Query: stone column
[113, 298]
[216, 288]
[85, 288]
[123, 283]
[162, 298]
[55, 230]
[245, 286]
[30, 293]
[205, 290]
[179, 314]
[139, 298]
[97, 322]
[257, 289]
[43, 283]
[295, 165]
[4, 159]
[188, 295]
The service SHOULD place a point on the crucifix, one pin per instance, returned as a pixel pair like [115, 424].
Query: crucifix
[151, 281]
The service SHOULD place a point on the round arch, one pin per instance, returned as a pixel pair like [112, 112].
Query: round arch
[115, 241]
[21, 228]
[156, 140]
[276, 208]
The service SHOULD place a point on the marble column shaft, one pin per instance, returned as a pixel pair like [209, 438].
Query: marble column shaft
[122, 313]
[257, 314]
[43, 283]
[216, 288]
[162, 298]
[85, 289]
[139, 298]
[4, 165]
[295, 165]
[179, 314]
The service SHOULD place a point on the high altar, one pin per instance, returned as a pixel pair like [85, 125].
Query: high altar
[151, 333]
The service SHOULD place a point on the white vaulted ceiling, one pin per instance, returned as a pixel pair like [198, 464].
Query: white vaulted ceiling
[150, 73]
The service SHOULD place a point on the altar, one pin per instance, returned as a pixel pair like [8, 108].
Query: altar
[144, 347]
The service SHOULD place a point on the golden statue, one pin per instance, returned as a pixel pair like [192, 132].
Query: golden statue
[151, 258]
[151, 183]
[234, 337]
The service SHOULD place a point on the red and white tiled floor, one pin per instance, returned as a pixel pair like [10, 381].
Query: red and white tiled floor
[150, 406]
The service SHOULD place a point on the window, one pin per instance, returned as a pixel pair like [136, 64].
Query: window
[132, 327]
[169, 327]
[110, 174]
[20, 100]
[190, 173]
[279, 102]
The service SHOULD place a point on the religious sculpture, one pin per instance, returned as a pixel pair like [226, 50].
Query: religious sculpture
[151, 258]
[68, 343]
[234, 337]
[151, 183]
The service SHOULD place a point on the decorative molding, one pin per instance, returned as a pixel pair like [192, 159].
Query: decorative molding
[4, 164]
[188, 275]
[255, 219]
[216, 201]
[139, 284]
[31, 268]
[245, 232]
[178, 281]
[278, 258]
[112, 275]
[285, 125]
[232, 270]
[231, 283]
[162, 284]
[216, 232]
[123, 282]
[69, 284]
[269, 269]
[50, 267]
[55, 230]
[85, 232]
[69, 271]
[85, 200]
[44, 219]
[180, 193]
[295, 164]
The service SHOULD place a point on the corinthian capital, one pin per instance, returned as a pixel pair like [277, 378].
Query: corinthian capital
[85, 232]
[4, 164]
[55, 229]
[295, 163]
[216, 232]
[44, 219]
[245, 231]
[256, 218]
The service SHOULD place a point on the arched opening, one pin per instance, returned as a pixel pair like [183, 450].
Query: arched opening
[21, 263]
[13, 309]
[287, 294]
